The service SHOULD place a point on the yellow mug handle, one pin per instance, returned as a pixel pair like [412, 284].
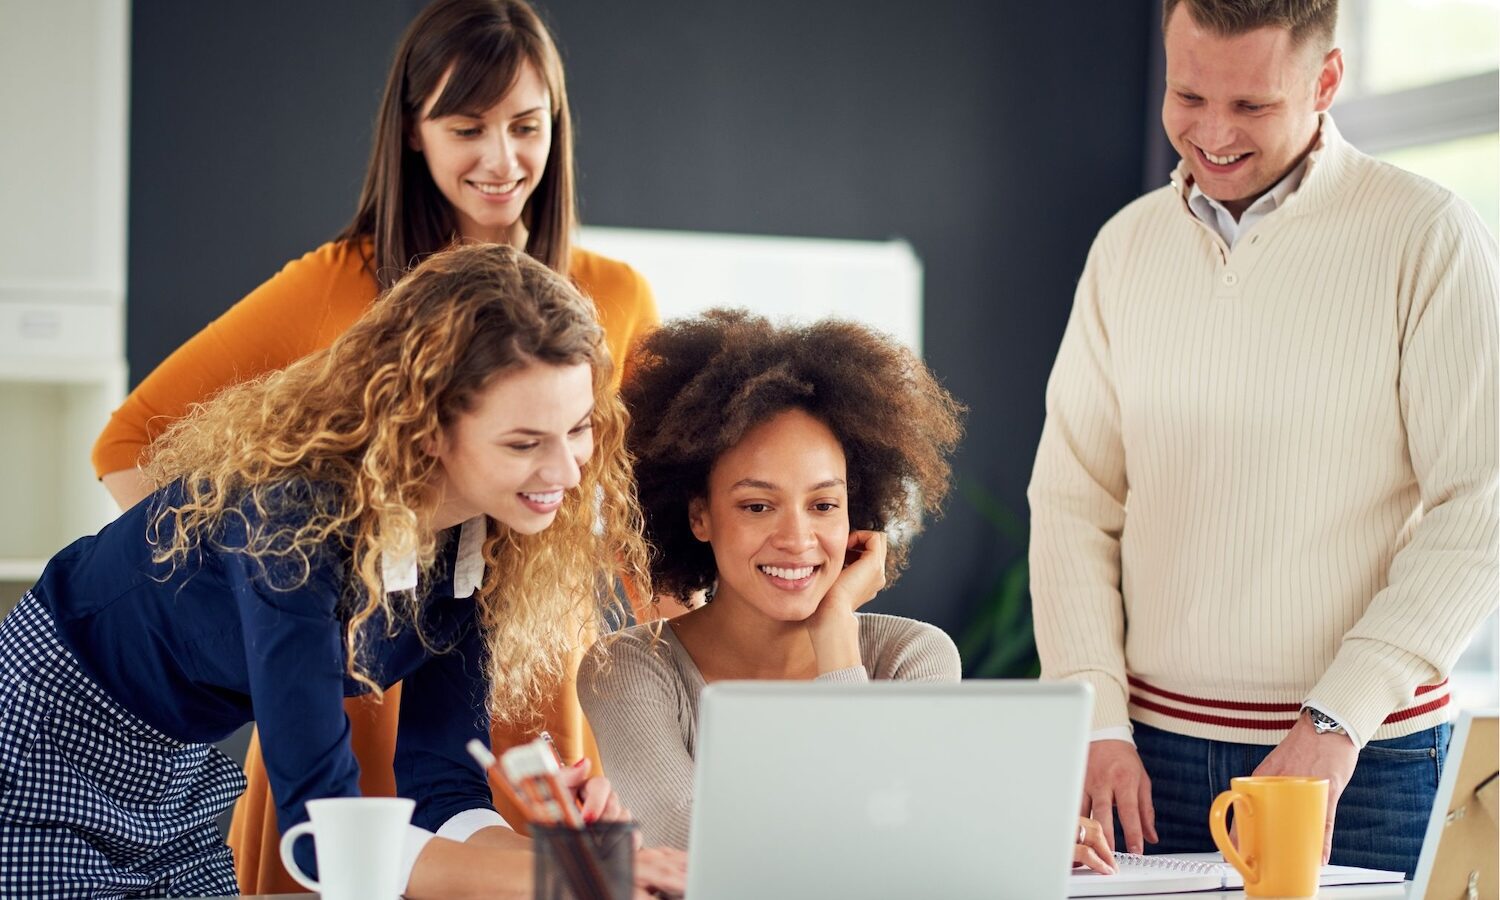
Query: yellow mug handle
[1220, 831]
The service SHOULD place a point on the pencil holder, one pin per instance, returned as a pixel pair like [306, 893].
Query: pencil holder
[596, 862]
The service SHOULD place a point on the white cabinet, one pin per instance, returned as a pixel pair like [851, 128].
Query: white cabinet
[64, 84]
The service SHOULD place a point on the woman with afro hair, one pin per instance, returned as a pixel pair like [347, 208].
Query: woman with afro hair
[772, 462]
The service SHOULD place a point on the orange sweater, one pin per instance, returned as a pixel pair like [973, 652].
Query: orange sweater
[301, 309]
[298, 311]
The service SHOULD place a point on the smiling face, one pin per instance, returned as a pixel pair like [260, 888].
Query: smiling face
[777, 517]
[1242, 109]
[487, 163]
[518, 449]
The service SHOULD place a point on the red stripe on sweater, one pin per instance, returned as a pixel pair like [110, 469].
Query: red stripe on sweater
[1273, 724]
[1242, 705]
[1209, 719]
[1414, 711]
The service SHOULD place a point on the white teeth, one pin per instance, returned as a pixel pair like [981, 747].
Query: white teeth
[495, 188]
[796, 574]
[1222, 160]
[543, 499]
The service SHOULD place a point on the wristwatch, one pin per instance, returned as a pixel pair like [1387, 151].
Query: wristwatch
[1324, 723]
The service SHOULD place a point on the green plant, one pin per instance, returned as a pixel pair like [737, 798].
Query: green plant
[998, 641]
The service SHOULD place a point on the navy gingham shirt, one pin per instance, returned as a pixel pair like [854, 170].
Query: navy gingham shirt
[200, 649]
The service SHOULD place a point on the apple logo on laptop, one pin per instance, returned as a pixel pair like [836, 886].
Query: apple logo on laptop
[890, 806]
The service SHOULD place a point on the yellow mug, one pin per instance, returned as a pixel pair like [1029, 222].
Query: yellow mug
[1280, 819]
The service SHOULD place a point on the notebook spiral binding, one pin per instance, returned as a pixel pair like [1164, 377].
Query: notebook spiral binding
[1168, 864]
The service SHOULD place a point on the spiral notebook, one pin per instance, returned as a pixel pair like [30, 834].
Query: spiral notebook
[1190, 872]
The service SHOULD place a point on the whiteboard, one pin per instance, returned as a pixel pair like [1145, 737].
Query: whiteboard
[878, 283]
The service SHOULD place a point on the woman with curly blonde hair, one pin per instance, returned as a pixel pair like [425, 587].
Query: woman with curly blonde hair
[432, 498]
[473, 140]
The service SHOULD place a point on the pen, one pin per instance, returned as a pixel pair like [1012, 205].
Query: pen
[551, 745]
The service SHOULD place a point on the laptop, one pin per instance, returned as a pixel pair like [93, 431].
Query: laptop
[887, 789]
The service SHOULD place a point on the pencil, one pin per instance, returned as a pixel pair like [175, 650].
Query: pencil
[498, 781]
[531, 781]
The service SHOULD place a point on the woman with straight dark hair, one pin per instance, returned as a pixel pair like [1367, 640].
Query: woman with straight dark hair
[473, 142]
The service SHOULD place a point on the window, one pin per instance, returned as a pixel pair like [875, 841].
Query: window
[1422, 90]
[1397, 45]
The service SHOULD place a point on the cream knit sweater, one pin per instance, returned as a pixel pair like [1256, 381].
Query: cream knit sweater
[1268, 475]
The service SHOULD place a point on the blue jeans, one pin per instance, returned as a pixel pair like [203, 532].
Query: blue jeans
[1380, 820]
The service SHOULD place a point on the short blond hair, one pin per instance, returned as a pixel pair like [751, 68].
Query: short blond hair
[1307, 20]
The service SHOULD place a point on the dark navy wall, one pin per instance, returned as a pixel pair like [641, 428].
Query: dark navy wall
[995, 137]
[249, 132]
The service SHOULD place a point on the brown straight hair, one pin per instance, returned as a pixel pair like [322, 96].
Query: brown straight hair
[1305, 19]
[485, 43]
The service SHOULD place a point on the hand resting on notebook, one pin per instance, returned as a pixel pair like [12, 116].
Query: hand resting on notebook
[1092, 849]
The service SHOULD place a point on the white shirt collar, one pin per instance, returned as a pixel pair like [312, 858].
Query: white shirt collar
[1213, 214]
[399, 573]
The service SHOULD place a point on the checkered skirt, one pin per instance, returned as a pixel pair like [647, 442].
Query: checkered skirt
[93, 801]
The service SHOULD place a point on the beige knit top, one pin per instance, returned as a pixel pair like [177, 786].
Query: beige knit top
[1268, 474]
[641, 697]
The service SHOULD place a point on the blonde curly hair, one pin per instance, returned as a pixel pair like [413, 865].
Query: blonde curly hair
[339, 439]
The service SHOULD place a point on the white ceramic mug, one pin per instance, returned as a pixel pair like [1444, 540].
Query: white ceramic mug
[358, 841]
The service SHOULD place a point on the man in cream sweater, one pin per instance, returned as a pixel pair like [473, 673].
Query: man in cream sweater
[1264, 504]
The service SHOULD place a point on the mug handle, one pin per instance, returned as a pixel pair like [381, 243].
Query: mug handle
[290, 862]
[1220, 831]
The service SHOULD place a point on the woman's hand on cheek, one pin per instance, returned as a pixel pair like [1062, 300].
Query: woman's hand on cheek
[864, 573]
[832, 627]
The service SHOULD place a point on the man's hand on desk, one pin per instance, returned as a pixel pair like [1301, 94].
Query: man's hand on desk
[1305, 752]
[1116, 779]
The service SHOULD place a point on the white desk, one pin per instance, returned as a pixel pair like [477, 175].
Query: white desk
[1345, 892]
[1348, 892]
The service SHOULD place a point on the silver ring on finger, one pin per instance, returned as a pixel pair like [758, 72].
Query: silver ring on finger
[1081, 834]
